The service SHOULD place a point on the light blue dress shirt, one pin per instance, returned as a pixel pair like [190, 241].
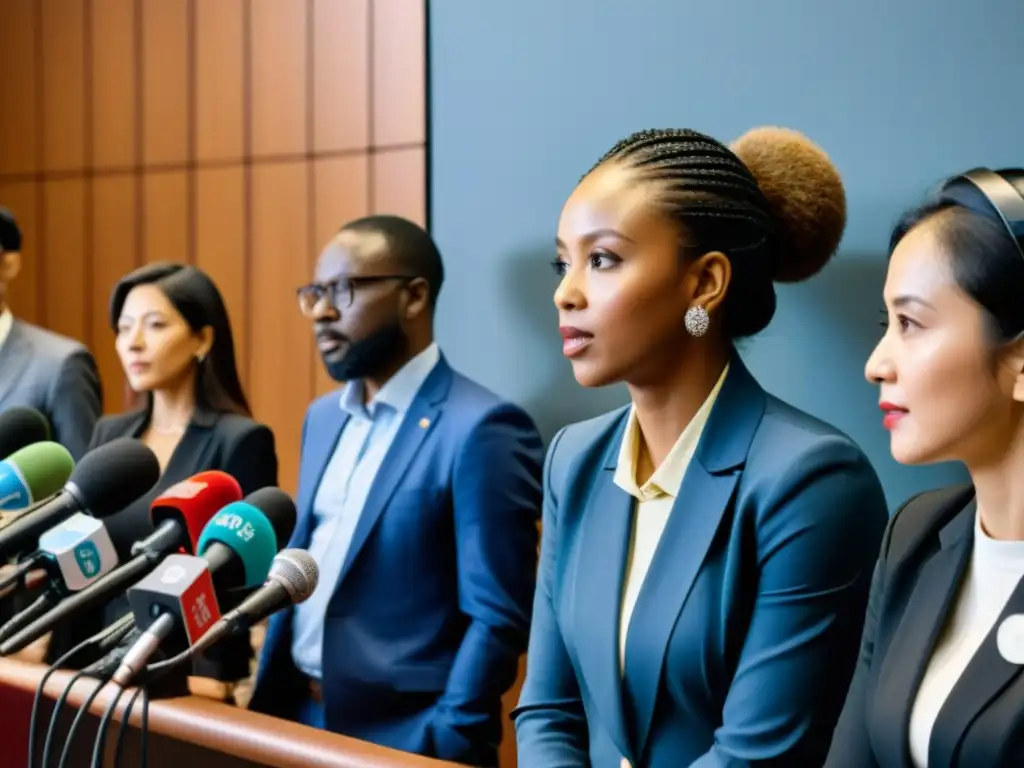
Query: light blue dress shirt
[346, 482]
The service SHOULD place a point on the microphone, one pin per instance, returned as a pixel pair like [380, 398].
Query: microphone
[180, 515]
[20, 427]
[75, 554]
[80, 548]
[292, 579]
[177, 603]
[105, 481]
[32, 473]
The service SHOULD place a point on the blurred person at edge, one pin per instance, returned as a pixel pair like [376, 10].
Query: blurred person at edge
[55, 375]
[939, 682]
[173, 337]
[419, 494]
[706, 550]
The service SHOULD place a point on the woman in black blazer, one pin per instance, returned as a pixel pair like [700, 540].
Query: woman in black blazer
[939, 681]
[175, 344]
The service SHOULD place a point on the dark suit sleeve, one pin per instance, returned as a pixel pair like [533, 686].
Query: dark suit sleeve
[851, 747]
[497, 498]
[75, 403]
[818, 534]
[251, 459]
[551, 726]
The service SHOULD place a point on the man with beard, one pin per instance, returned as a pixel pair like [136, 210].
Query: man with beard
[419, 494]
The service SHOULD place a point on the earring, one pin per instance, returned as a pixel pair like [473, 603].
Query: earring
[697, 321]
[199, 359]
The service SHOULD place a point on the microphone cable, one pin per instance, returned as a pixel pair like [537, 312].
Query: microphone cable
[79, 717]
[143, 729]
[101, 730]
[115, 632]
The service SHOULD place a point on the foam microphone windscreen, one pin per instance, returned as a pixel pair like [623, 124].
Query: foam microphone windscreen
[33, 473]
[194, 502]
[279, 509]
[242, 533]
[115, 474]
[21, 426]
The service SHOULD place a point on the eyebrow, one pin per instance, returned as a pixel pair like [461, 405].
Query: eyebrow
[904, 300]
[597, 233]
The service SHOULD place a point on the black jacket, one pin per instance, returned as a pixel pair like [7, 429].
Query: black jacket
[924, 559]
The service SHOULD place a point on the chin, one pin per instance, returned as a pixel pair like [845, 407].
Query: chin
[591, 376]
[141, 386]
[912, 453]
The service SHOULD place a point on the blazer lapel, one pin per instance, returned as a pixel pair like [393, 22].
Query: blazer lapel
[703, 499]
[606, 526]
[417, 423]
[985, 677]
[907, 656]
[320, 444]
[14, 356]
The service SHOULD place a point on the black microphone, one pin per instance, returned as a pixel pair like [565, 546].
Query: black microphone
[20, 427]
[104, 482]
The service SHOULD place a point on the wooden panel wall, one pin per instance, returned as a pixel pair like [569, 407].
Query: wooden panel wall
[235, 135]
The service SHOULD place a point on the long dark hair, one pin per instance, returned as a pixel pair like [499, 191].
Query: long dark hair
[197, 299]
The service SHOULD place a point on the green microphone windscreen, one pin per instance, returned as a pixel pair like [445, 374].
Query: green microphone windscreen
[44, 468]
[248, 533]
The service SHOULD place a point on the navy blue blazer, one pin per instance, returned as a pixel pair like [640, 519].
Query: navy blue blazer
[744, 635]
[432, 609]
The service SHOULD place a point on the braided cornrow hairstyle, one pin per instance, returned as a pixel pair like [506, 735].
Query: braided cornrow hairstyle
[774, 204]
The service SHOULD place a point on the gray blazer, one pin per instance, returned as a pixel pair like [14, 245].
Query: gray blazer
[55, 375]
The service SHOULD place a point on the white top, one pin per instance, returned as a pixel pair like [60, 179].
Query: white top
[6, 321]
[992, 574]
[654, 500]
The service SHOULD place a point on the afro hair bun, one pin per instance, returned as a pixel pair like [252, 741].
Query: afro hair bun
[805, 195]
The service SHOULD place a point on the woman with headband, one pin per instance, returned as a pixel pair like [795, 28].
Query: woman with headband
[939, 681]
[707, 550]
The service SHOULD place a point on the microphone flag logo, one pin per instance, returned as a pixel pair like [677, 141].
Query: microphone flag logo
[14, 491]
[87, 555]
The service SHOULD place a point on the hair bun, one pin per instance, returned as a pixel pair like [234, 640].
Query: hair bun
[805, 194]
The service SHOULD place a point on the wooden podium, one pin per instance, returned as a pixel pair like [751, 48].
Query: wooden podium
[187, 732]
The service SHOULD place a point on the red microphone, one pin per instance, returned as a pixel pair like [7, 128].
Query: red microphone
[184, 509]
[179, 516]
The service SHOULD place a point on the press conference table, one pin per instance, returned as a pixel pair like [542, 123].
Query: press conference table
[189, 731]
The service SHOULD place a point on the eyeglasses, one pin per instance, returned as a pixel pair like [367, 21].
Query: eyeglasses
[339, 293]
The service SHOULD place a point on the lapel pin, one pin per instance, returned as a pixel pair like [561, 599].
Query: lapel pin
[1010, 639]
[424, 423]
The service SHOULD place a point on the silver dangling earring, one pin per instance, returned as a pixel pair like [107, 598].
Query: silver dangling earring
[697, 321]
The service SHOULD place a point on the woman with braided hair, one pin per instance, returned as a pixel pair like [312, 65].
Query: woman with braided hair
[706, 550]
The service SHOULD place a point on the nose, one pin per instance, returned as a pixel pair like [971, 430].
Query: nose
[879, 367]
[326, 312]
[136, 342]
[571, 292]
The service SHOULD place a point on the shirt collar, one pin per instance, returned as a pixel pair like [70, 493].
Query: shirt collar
[398, 392]
[6, 322]
[667, 478]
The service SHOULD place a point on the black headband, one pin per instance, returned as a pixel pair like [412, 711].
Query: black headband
[993, 191]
